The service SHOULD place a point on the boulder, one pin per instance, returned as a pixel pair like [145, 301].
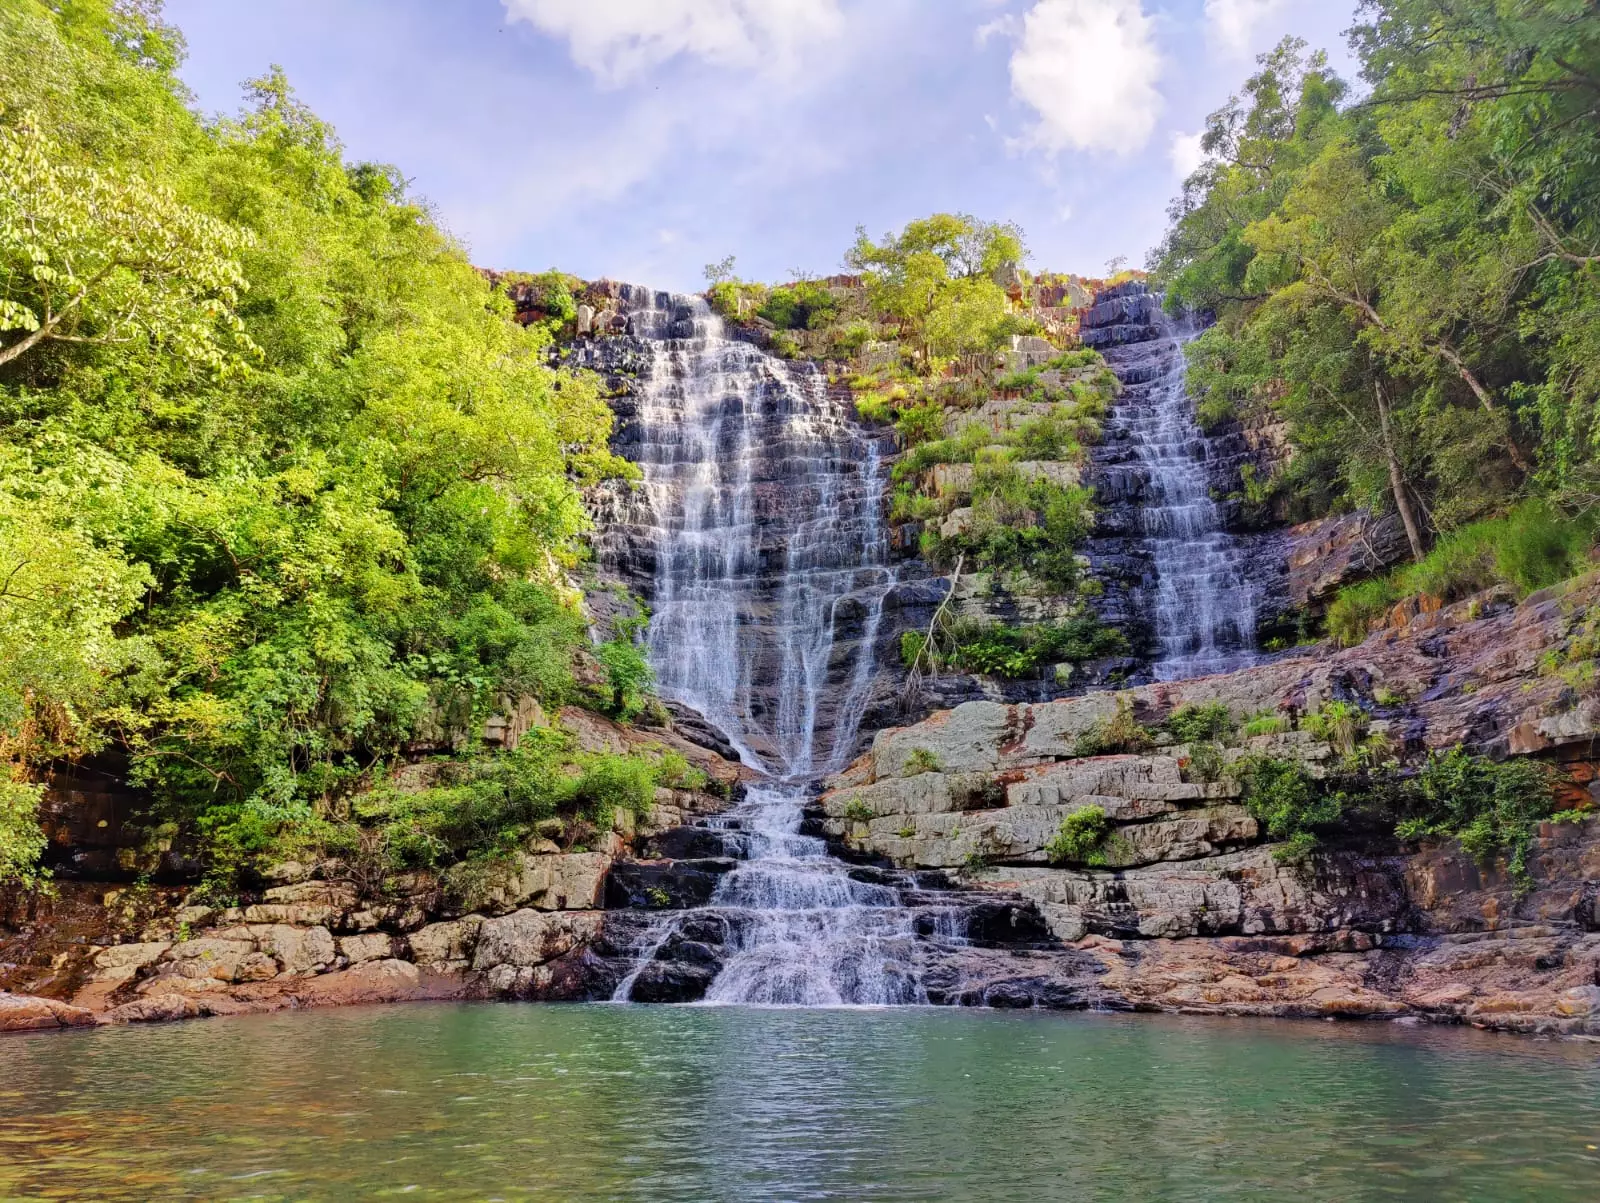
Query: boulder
[296, 950]
[122, 962]
[528, 938]
[28, 1013]
[1329, 553]
[371, 946]
[573, 881]
[451, 941]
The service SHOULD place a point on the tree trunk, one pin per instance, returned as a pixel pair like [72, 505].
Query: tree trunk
[1397, 479]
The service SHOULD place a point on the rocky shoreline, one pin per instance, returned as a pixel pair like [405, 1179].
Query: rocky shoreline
[1192, 913]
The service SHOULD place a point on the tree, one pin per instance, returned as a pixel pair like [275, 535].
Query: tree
[937, 279]
[93, 256]
[720, 271]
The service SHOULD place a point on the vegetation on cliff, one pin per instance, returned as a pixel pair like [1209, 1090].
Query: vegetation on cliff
[1409, 277]
[283, 487]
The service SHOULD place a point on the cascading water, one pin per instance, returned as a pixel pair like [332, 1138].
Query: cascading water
[1207, 592]
[765, 516]
[1205, 598]
[764, 505]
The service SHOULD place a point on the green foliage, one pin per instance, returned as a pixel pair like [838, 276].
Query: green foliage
[936, 280]
[735, 299]
[1119, 733]
[21, 840]
[1287, 802]
[1408, 283]
[1264, 724]
[1358, 607]
[803, 305]
[1021, 522]
[1341, 724]
[673, 770]
[1531, 547]
[857, 811]
[912, 644]
[299, 492]
[1081, 838]
[1493, 808]
[918, 424]
[875, 406]
[1052, 436]
[1206, 762]
[1198, 722]
[628, 674]
[999, 650]
[921, 760]
[102, 256]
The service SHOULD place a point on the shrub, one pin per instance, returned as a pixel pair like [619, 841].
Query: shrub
[1284, 799]
[921, 760]
[628, 675]
[1341, 724]
[1031, 524]
[1493, 808]
[1120, 733]
[673, 771]
[912, 644]
[850, 338]
[1266, 723]
[1193, 723]
[1352, 615]
[612, 783]
[1205, 762]
[857, 811]
[736, 299]
[1081, 838]
[970, 645]
[874, 407]
[1052, 436]
[803, 305]
[920, 423]
[21, 840]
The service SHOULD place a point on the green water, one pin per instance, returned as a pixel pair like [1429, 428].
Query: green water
[688, 1103]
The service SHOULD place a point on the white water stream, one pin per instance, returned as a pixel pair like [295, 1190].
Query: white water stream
[772, 566]
[1206, 598]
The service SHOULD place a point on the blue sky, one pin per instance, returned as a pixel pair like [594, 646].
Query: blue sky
[642, 139]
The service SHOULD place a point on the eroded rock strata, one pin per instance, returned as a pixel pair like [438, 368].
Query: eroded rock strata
[1192, 911]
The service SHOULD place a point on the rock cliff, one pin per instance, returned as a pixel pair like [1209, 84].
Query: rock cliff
[1192, 910]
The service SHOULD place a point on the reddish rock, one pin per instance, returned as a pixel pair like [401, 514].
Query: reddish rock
[29, 1013]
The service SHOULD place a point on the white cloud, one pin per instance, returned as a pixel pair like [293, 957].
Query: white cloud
[1232, 24]
[1185, 153]
[1089, 69]
[619, 39]
[1002, 26]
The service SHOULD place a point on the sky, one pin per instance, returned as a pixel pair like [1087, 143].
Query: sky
[644, 139]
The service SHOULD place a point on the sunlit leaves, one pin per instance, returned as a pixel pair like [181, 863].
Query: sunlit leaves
[102, 256]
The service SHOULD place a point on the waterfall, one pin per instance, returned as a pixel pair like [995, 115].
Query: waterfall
[762, 508]
[764, 504]
[1207, 592]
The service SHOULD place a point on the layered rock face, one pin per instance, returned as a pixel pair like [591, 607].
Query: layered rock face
[320, 936]
[1182, 576]
[1193, 911]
